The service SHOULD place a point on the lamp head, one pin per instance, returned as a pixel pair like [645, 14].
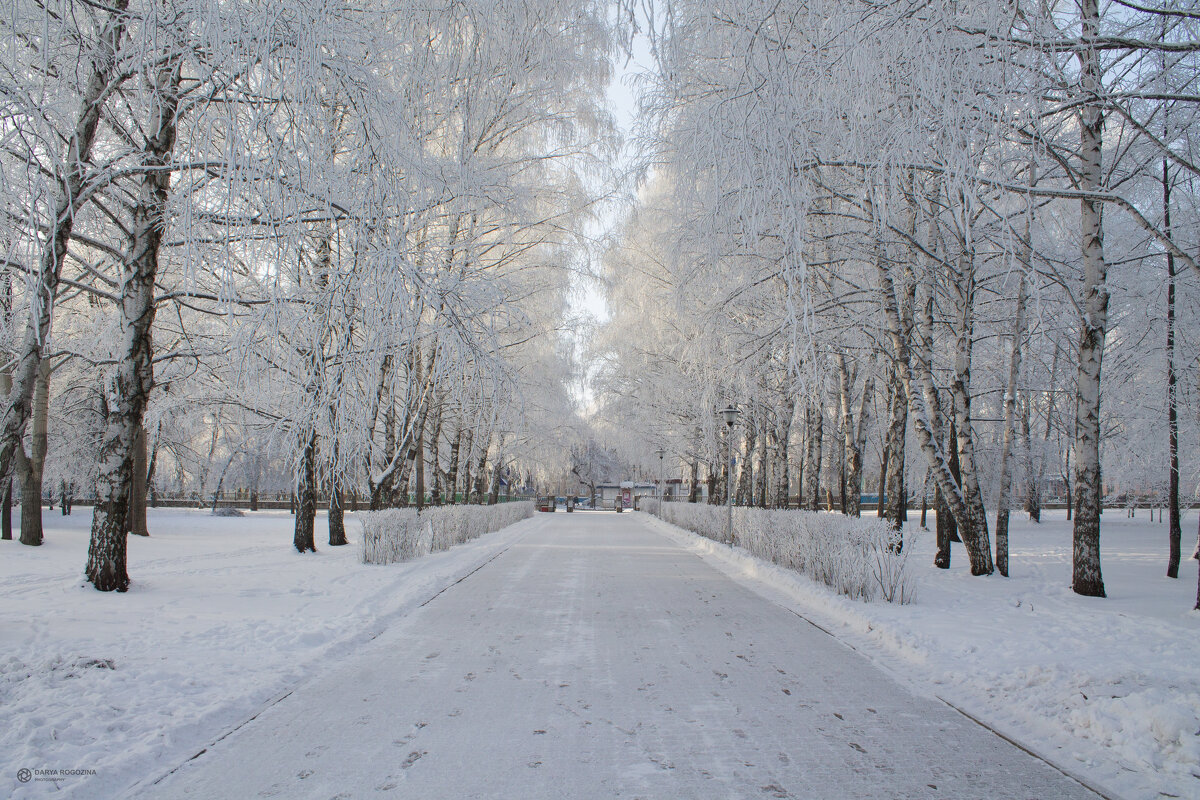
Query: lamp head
[730, 414]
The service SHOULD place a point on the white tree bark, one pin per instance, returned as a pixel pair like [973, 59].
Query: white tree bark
[1010, 413]
[133, 377]
[1086, 578]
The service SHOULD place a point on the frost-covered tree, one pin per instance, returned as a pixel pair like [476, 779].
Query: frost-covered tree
[333, 237]
[926, 182]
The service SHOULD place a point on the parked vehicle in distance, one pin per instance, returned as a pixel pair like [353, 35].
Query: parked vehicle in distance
[544, 504]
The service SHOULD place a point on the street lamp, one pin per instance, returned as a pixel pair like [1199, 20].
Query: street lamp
[660, 452]
[730, 415]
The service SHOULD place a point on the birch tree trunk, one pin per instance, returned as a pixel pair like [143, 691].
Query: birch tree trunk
[304, 537]
[452, 472]
[942, 430]
[924, 500]
[979, 553]
[304, 533]
[972, 529]
[1086, 578]
[762, 473]
[850, 461]
[32, 467]
[893, 484]
[855, 476]
[783, 470]
[497, 466]
[723, 481]
[694, 488]
[409, 446]
[468, 451]
[1174, 527]
[383, 491]
[743, 493]
[137, 489]
[812, 460]
[854, 439]
[381, 401]
[881, 486]
[1033, 494]
[802, 469]
[152, 467]
[337, 513]
[6, 502]
[478, 495]
[133, 376]
[1043, 457]
[419, 450]
[435, 464]
[1006, 447]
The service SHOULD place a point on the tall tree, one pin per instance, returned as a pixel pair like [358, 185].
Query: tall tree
[133, 376]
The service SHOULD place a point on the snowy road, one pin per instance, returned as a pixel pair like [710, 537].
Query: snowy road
[597, 658]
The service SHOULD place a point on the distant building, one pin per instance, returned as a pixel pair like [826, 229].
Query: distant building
[608, 493]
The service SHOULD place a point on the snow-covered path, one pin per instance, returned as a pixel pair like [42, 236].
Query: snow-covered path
[597, 658]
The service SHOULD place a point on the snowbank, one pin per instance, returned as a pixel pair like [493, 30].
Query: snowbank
[1104, 688]
[402, 534]
[855, 557]
[222, 618]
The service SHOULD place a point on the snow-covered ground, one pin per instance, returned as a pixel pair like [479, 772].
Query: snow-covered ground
[1107, 688]
[596, 659]
[223, 617]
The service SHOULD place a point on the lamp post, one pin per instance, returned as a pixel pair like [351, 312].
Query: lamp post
[730, 415]
[660, 452]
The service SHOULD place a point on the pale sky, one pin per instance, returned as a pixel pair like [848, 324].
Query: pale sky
[589, 296]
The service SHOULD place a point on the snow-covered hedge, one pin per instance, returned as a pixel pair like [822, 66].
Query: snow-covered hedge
[855, 557]
[401, 534]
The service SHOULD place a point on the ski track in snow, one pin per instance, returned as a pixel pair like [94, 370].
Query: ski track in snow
[581, 671]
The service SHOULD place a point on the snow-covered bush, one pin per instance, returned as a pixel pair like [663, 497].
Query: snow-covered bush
[855, 557]
[401, 534]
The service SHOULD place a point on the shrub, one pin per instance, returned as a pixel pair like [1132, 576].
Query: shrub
[859, 558]
[402, 534]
